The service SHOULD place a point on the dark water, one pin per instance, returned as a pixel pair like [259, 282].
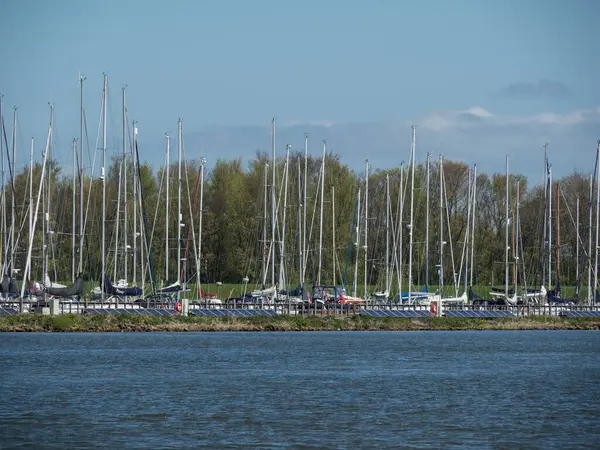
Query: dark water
[497, 389]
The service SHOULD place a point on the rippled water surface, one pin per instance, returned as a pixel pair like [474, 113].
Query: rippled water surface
[497, 389]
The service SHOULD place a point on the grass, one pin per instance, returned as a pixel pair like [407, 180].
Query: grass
[143, 323]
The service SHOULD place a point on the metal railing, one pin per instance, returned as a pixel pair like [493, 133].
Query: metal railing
[291, 307]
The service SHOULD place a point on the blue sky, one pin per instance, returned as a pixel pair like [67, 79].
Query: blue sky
[334, 65]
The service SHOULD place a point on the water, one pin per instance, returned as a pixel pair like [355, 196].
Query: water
[497, 389]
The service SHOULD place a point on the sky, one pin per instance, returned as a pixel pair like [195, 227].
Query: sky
[479, 78]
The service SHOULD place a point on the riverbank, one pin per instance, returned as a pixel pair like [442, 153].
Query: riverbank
[139, 323]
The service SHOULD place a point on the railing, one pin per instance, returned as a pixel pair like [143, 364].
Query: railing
[293, 308]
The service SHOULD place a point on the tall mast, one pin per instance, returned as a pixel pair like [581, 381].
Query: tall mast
[273, 205]
[577, 243]
[37, 205]
[285, 189]
[355, 281]
[517, 228]
[125, 230]
[49, 232]
[545, 227]
[549, 227]
[401, 229]
[506, 248]
[103, 272]
[13, 226]
[412, 201]
[81, 173]
[333, 228]
[264, 246]
[597, 221]
[514, 271]
[118, 204]
[467, 231]
[473, 223]
[300, 236]
[305, 208]
[558, 233]
[28, 275]
[387, 233]
[441, 238]
[591, 294]
[179, 216]
[366, 224]
[73, 229]
[202, 163]
[167, 198]
[321, 215]
[44, 221]
[427, 222]
[135, 201]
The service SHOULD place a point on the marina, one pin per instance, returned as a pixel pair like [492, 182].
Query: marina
[382, 239]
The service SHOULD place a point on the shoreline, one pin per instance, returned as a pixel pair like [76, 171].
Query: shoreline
[126, 323]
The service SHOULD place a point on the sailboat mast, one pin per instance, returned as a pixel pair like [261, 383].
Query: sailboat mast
[125, 229]
[283, 222]
[273, 204]
[401, 230]
[179, 217]
[514, 245]
[577, 242]
[427, 220]
[387, 233]
[412, 202]
[355, 281]
[48, 199]
[333, 229]
[473, 222]
[73, 229]
[597, 220]
[305, 208]
[135, 201]
[514, 271]
[44, 220]
[201, 212]
[118, 204]
[589, 258]
[366, 225]
[28, 275]
[13, 225]
[467, 231]
[441, 219]
[167, 198]
[321, 215]
[549, 227]
[300, 237]
[264, 241]
[506, 248]
[516, 226]
[558, 233]
[81, 173]
[103, 271]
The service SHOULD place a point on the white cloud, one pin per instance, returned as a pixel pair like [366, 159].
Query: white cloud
[476, 117]
[473, 135]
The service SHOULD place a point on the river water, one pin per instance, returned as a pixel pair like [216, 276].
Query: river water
[482, 389]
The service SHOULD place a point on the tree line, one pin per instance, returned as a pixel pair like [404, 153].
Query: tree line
[233, 221]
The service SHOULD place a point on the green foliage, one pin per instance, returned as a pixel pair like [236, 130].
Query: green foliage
[232, 220]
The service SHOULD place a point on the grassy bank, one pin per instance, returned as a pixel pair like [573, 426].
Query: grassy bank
[100, 323]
